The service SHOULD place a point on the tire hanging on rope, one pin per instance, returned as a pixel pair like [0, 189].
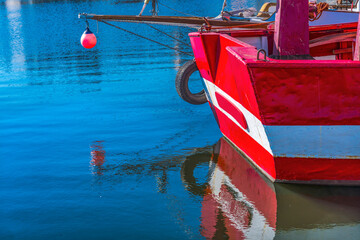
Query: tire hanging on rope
[182, 84]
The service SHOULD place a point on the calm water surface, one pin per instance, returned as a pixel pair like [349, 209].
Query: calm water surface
[96, 144]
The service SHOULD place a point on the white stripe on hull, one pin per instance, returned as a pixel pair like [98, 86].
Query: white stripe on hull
[255, 128]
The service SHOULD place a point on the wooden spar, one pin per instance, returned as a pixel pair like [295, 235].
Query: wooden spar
[173, 20]
[332, 38]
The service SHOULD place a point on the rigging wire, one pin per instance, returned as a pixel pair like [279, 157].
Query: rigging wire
[149, 39]
[168, 35]
[177, 10]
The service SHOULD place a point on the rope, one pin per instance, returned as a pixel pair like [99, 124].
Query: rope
[168, 35]
[223, 7]
[320, 7]
[187, 53]
[143, 8]
[354, 4]
[177, 10]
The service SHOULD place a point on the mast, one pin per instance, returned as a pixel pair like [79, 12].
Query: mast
[291, 37]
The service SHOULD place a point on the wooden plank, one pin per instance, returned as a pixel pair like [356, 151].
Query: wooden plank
[333, 38]
[342, 50]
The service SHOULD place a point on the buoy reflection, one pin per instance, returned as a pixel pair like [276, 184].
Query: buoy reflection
[97, 157]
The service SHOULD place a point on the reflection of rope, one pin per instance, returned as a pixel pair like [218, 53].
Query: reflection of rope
[320, 7]
[187, 53]
[177, 10]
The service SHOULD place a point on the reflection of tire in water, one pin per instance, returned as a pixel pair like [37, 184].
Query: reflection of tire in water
[189, 165]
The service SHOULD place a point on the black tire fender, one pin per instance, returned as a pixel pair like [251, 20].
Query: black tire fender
[182, 84]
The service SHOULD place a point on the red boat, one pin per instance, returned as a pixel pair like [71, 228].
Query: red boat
[285, 94]
[287, 97]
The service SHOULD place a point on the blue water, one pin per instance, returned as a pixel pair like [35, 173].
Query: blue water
[92, 142]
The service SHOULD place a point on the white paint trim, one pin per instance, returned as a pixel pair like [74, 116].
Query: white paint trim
[255, 128]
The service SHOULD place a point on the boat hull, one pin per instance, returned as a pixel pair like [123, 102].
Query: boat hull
[295, 120]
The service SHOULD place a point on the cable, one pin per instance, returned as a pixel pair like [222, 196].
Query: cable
[177, 10]
[187, 53]
[168, 35]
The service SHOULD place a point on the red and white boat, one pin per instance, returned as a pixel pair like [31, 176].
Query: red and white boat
[288, 97]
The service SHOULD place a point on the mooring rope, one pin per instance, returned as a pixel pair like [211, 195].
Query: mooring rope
[149, 39]
[320, 7]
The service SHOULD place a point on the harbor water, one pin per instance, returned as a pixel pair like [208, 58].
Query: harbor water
[96, 144]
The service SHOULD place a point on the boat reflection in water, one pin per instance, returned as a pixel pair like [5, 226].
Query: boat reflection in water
[239, 203]
[97, 157]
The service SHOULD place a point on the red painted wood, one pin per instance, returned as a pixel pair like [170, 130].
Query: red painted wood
[291, 35]
[225, 69]
[307, 169]
[345, 51]
[226, 75]
[236, 81]
[302, 92]
[200, 56]
[312, 96]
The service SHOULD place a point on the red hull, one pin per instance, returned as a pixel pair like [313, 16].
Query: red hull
[296, 120]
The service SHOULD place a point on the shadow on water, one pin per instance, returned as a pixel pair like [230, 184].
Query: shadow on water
[239, 203]
[154, 166]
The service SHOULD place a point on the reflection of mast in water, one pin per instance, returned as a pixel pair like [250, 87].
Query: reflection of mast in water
[239, 203]
[15, 28]
[162, 181]
[97, 157]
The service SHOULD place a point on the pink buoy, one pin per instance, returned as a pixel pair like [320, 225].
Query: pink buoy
[88, 39]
